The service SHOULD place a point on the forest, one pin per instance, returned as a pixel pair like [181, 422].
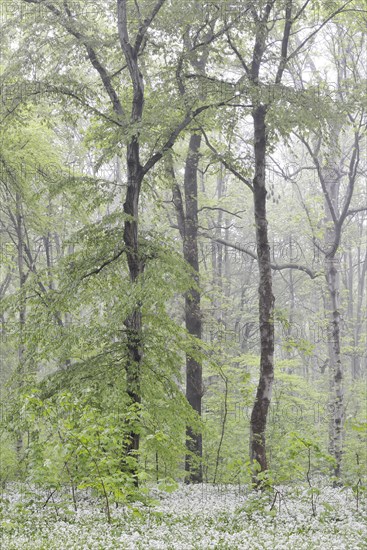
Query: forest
[183, 274]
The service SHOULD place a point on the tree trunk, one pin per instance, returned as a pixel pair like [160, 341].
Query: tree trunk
[22, 305]
[331, 179]
[266, 299]
[358, 322]
[133, 323]
[194, 389]
[187, 221]
[336, 372]
[135, 174]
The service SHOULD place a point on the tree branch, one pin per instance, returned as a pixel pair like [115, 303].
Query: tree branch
[352, 173]
[355, 211]
[227, 164]
[177, 200]
[71, 94]
[274, 266]
[238, 54]
[222, 210]
[105, 264]
[321, 177]
[285, 41]
[68, 24]
[145, 26]
[308, 38]
[176, 132]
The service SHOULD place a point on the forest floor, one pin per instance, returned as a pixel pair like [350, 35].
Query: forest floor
[191, 517]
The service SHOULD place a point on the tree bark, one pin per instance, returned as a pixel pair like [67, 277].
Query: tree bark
[22, 305]
[133, 323]
[331, 182]
[194, 382]
[336, 370]
[266, 299]
[358, 321]
[187, 221]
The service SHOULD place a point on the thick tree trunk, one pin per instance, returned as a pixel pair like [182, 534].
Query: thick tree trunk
[266, 300]
[187, 220]
[133, 323]
[192, 307]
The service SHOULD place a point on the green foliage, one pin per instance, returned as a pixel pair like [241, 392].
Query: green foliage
[8, 461]
[79, 440]
[64, 373]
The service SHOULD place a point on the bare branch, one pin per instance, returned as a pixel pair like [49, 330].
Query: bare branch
[222, 210]
[274, 266]
[355, 211]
